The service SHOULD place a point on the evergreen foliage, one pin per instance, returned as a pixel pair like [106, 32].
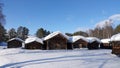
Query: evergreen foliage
[2, 33]
[2, 22]
[12, 33]
[22, 32]
[69, 34]
[42, 33]
[82, 33]
[117, 29]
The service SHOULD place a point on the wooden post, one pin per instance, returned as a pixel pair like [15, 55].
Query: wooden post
[72, 45]
[47, 45]
[66, 45]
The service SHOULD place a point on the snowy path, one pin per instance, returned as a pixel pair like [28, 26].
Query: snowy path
[82, 58]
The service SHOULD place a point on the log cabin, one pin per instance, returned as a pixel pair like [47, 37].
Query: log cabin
[105, 44]
[115, 42]
[78, 41]
[94, 43]
[56, 40]
[14, 43]
[33, 43]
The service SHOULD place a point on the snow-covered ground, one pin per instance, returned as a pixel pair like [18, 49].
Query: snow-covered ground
[3, 47]
[79, 58]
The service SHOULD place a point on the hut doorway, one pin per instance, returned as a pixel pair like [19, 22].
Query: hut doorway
[80, 45]
[69, 46]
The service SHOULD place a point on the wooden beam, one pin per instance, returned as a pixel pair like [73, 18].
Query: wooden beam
[47, 45]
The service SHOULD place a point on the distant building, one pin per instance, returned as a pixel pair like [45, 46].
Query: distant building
[115, 42]
[105, 44]
[3, 44]
[94, 43]
[33, 43]
[15, 43]
[56, 40]
[78, 42]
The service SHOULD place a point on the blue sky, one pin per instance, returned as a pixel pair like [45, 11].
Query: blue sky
[58, 15]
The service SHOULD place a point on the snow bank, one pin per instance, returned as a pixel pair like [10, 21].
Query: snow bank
[115, 37]
[3, 47]
[54, 34]
[81, 58]
[32, 39]
[105, 40]
[11, 51]
[3, 61]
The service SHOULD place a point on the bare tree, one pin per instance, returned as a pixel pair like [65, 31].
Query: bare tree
[105, 31]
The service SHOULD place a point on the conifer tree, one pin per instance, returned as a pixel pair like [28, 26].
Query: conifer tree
[42, 33]
[22, 32]
[12, 33]
[117, 29]
[2, 22]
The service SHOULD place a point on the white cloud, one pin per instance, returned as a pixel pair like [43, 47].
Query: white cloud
[103, 23]
[109, 21]
[115, 17]
[81, 29]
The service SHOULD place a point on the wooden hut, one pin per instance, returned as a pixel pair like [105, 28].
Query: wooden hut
[14, 43]
[105, 44]
[115, 42]
[94, 43]
[56, 40]
[33, 43]
[78, 41]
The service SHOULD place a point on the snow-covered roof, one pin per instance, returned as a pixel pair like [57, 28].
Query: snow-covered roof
[92, 39]
[105, 40]
[115, 37]
[16, 39]
[32, 39]
[75, 38]
[54, 34]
